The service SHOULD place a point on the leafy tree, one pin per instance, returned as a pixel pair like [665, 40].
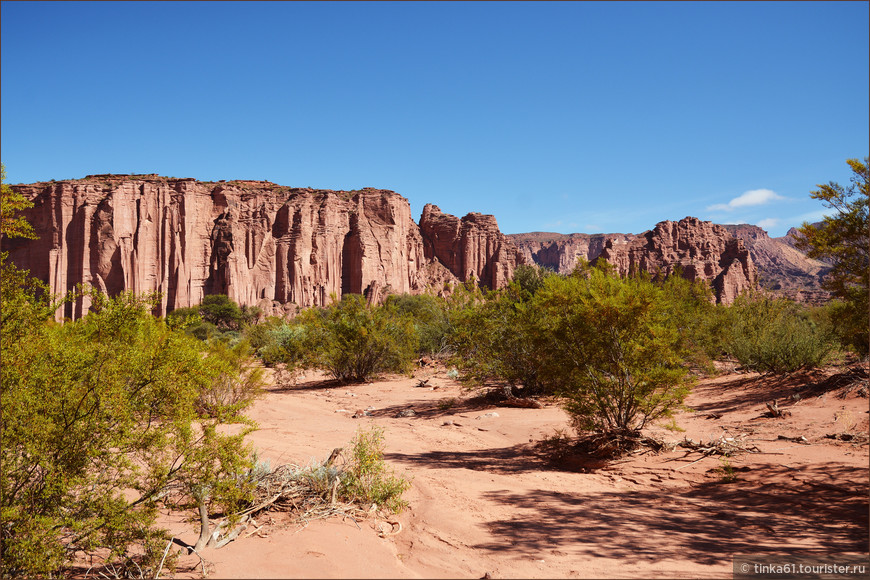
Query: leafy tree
[354, 341]
[844, 239]
[11, 203]
[102, 423]
[222, 311]
[614, 348]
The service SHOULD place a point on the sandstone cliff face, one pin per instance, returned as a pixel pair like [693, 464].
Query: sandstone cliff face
[469, 247]
[562, 252]
[259, 243]
[702, 250]
[783, 268]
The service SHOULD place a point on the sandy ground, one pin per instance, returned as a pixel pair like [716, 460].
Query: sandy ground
[483, 501]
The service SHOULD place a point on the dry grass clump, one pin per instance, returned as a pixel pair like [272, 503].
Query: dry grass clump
[358, 485]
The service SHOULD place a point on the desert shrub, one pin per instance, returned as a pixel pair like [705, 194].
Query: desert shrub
[614, 349]
[430, 321]
[220, 310]
[774, 335]
[237, 382]
[367, 479]
[500, 338]
[354, 341]
[100, 427]
[286, 345]
[699, 320]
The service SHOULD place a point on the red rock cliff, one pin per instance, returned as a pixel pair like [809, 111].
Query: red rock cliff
[703, 250]
[260, 243]
[471, 246]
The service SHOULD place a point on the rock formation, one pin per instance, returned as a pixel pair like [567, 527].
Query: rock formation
[258, 242]
[562, 252]
[469, 247]
[701, 250]
[782, 268]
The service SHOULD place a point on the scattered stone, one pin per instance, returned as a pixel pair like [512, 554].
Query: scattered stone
[800, 439]
[493, 414]
[406, 413]
[360, 413]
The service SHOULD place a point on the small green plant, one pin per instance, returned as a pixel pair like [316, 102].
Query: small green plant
[728, 475]
[367, 479]
[672, 426]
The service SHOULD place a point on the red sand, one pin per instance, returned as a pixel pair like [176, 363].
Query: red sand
[482, 501]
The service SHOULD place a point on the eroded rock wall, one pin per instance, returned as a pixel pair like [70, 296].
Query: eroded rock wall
[701, 250]
[469, 247]
[259, 243]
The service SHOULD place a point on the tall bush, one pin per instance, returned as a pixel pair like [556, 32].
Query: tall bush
[775, 335]
[613, 348]
[101, 425]
[354, 341]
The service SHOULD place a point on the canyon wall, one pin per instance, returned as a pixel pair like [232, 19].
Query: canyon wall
[563, 252]
[260, 243]
[702, 250]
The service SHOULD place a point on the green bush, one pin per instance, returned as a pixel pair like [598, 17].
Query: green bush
[429, 317]
[500, 338]
[614, 348]
[102, 425]
[354, 341]
[367, 479]
[775, 335]
[237, 384]
[220, 310]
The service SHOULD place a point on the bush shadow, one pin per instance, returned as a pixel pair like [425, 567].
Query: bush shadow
[707, 523]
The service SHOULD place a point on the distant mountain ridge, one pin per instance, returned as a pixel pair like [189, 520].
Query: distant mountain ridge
[781, 267]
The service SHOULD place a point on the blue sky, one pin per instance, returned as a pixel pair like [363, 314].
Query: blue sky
[565, 117]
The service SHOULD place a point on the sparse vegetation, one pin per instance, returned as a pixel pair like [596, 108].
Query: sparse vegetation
[354, 341]
[772, 335]
[843, 239]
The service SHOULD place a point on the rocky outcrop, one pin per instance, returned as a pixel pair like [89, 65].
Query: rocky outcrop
[469, 247]
[700, 250]
[562, 252]
[258, 242]
[782, 268]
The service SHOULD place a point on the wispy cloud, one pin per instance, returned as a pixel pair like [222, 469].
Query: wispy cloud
[768, 223]
[746, 199]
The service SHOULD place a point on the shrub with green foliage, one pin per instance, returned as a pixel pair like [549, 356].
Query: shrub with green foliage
[354, 341]
[367, 479]
[102, 424]
[775, 335]
[429, 317]
[614, 349]
[499, 337]
[220, 310]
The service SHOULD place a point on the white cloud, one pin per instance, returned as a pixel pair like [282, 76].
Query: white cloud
[768, 223]
[747, 199]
